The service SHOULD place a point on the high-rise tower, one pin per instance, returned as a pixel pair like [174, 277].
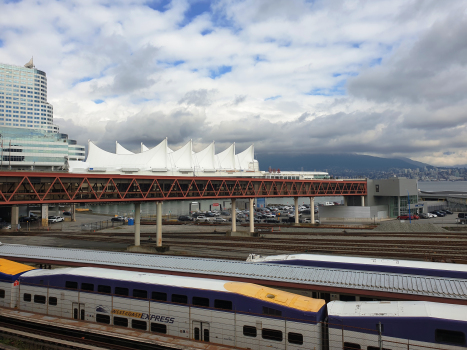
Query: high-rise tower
[29, 139]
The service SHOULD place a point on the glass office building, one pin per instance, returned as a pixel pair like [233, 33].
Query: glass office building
[29, 140]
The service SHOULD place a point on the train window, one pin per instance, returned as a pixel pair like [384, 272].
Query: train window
[140, 293]
[120, 321]
[103, 318]
[121, 291]
[159, 296]
[26, 297]
[295, 338]
[223, 304]
[103, 289]
[271, 334]
[351, 346]
[2, 293]
[178, 298]
[249, 331]
[138, 324]
[52, 301]
[271, 311]
[39, 299]
[159, 328]
[375, 348]
[87, 286]
[71, 285]
[198, 301]
[449, 337]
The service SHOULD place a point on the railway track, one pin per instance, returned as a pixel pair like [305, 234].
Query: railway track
[69, 338]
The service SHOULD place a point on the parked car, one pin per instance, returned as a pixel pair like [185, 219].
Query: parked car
[184, 218]
[237, 219]
[219, 219]
[448, 212]
[202, 218]
[272, 221]
[52, 219]
[66, 213]
[407, 217]
[118, 218]
[27, 219]
[425, 216]
[438, 213]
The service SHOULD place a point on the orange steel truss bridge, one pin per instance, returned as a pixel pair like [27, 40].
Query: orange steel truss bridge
[36, 188]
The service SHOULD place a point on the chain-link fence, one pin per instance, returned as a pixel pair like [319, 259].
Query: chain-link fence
[101, 225]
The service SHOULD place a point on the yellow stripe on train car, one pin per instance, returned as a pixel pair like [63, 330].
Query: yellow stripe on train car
[275, 296]
[9, 267]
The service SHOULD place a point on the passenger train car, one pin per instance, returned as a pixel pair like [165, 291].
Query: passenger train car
[411, 267]
[238, 314]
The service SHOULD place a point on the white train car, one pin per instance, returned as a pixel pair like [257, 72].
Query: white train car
[411, 267]
[400, 325]
[237, 314]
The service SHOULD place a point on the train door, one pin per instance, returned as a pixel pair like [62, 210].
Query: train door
[78, 311]
[201, 331]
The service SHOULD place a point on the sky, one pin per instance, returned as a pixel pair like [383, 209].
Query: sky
[382, 78]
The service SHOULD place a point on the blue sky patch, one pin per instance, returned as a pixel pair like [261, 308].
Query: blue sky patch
[1, 43]
[82, 80]
[221, 70]
[336, 90]
[98, 102]
[376, 62]
[272, 98]
[206, 32]
[196, 8]
[159, 5]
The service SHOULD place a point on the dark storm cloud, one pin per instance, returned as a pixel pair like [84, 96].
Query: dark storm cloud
[432, 71]
[178, 126]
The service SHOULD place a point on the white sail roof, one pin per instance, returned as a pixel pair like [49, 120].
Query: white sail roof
[163, 159]
[205, 160]
[182, 159]
[244, 160]
[226, 159]
[119, 149]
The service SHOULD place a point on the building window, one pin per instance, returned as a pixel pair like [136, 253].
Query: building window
[2, 293]
[52, 301]
[27, 297]
[39, 299]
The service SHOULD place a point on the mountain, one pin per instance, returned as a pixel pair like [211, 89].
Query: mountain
[333, 162]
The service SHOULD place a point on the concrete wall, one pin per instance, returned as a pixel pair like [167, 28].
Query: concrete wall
[353, 212]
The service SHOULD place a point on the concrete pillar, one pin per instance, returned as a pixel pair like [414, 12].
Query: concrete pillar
[296, 209]
[159, 224]
[312, 209]
[73, 211]
[252, 216]
[363, 201]
[14, 217]
[137, 223]
[45, 215]
[346, 201]
[234, 215]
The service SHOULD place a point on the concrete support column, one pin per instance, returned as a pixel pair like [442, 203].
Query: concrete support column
[159, 224]
[45, 215]
[234, 215]
[252, 215]
[73, 211]
[363, 201]
[312, 209]
[346, 201]
[296, 209]
[14, 216]
[137, 224]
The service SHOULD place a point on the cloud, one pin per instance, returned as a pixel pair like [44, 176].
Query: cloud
[385, 78]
